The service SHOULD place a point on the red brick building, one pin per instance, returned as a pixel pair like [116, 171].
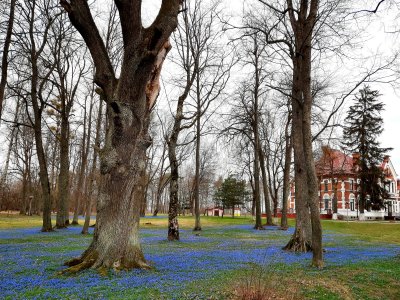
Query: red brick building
[337, 174]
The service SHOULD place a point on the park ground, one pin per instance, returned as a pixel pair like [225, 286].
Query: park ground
[227, 260]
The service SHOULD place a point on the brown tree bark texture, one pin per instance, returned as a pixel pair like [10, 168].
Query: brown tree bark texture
[116, 239]
[308, 231]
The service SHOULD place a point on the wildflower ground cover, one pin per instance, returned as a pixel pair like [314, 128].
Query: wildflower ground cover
[227, 260]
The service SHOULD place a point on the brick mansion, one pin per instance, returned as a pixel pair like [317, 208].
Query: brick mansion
[338, 175]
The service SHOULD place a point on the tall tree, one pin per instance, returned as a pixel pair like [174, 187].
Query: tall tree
[182, 40]
[129, 99]
[293, 26]
[35, 68]
[361, 132]
[212, 62]
[67, 76]
[6, 49]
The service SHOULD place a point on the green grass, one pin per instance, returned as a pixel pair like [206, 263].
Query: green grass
[366, 279]
[14, 220]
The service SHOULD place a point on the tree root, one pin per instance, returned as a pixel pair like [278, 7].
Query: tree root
[259, 227]
[77, 265]
[298, 245]
[91, 261]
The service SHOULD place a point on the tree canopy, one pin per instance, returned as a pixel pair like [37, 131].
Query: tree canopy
[232, 193]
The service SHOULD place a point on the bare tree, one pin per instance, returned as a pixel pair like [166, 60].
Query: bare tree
[93, 175]
[4, 59]
[213, 62]
[35, 68]
[130, 98]
[67, 77]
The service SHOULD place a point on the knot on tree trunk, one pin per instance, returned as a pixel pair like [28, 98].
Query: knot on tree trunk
[108, 160]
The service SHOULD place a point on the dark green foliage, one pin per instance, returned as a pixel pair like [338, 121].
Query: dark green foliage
[361, 132]
[232, 193]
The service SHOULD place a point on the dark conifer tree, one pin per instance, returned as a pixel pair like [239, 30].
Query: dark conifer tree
[232, 193]
[363, 125]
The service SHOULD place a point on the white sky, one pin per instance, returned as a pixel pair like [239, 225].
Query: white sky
[379, 41]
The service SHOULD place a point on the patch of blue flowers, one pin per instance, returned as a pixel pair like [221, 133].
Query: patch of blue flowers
[29, 269]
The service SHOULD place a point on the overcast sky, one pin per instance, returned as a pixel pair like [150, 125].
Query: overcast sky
[380, 40]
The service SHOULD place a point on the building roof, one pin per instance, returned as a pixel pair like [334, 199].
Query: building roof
[334, 162]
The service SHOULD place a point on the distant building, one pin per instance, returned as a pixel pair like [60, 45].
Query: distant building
[337, 174]
[219, 212]
[214, 211]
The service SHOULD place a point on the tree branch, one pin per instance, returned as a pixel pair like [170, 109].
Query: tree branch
[81, 17]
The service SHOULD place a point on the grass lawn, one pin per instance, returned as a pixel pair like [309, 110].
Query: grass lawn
[227, 260]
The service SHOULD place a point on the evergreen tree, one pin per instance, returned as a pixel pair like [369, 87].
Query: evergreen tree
[363, 127]
[232, 193]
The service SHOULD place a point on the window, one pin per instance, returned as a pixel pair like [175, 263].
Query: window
[352, 203]
[326, 185]
[326, 202]
[351, 184]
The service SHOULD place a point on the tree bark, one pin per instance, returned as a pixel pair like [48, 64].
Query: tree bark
[85, 146]
[6, 48]
[116, 241]
[197, 225]
[286, 175]
[265, 188]
[308, 231]
[257, 146]
[63, 178]
[89, 202]
[13, 138]
[38, 105]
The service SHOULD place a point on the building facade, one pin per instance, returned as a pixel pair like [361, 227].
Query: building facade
[338, 178]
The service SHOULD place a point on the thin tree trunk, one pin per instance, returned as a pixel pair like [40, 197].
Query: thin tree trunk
[286, 176]
[43, 173]
[197, 225]
[63, 178]
[89, 202]
[265, 188]
[257, 146]
[85, 146]
[6, 47]
[13, 137]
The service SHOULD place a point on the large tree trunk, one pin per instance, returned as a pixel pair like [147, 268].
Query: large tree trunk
[116, 241]
[308, 231]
